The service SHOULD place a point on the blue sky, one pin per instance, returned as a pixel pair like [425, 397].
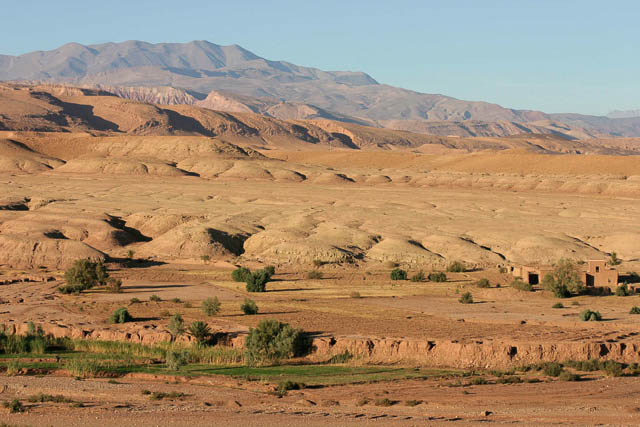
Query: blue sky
[555, 56]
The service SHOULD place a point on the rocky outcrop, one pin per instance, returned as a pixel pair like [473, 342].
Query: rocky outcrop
[488, 354]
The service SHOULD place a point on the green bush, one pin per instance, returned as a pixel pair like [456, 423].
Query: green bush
[249, 307]
[384, 402]
[211, 306]
[257, 281]
[175, 360]
[613, 368]
[438, 276]
[419, 277]
[552, 369]
[15, 406]
[285, 386]
[588, 315]
[134, 300]
[622, 290]
[456, 267]
[559, 290]
[634, 310]
[272, 341]
[83, 275]
[483, 283]
[568, 376]
[155, 298]
[522, 286]
[270, 269]
[565, 273]
[176, 326]
[585, 365]
[314, 275]
[121, 315]
[200, 331]
[241, 274]
[614, 260]
[466, 298]
[114, 286]
[557, 305]
[398, 274]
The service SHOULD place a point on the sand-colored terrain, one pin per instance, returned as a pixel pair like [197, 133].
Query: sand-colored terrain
[173, 184]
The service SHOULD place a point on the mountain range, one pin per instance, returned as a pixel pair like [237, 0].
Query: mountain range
[231, 78]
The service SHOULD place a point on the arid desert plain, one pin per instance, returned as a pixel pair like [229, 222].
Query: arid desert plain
[173, 199]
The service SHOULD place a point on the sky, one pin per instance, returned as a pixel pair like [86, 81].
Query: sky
[578, 56]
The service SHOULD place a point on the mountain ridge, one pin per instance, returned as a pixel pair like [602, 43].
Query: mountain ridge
[200, 67]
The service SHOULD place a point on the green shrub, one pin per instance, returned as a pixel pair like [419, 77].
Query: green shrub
[285, 386]
[200, 331]
[175, 360]
[134, 300]
[241, 274]
[314, 274]
[622, 290]
[568, 376]
[634, 310]
[559, 290]
[479, 381]
[176, 326]
[565, 273]
[257, 281]
[613, 368]
[438, 277]
[121, 315]
[614, 260]
[15, 406]
[557, 305]
[270, 269]
[466, 298]
[272, 341]
[509, 380]
[412, 402]
[155, 298]
[114, 286]
[588, 315]
[398, 274]
[384, 402]
[83, 275]
[205, 258]
[522, 286]
[552, 369]
[43, 398]
[456, 267]
[585, 365]
[483, 283]
[419, 277]
[249, 307]
[318, 262]
[211, 306]
[175, 300]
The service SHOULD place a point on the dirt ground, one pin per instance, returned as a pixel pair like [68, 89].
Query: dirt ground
[589, 402]
[358, 227]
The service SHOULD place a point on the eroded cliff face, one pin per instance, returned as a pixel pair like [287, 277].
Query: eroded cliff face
[436, 353]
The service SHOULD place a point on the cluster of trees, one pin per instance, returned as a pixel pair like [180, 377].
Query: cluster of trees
[256, 281]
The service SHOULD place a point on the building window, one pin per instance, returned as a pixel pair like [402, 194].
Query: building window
[597, 269]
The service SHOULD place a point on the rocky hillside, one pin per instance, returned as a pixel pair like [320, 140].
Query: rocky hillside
[200, 67]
